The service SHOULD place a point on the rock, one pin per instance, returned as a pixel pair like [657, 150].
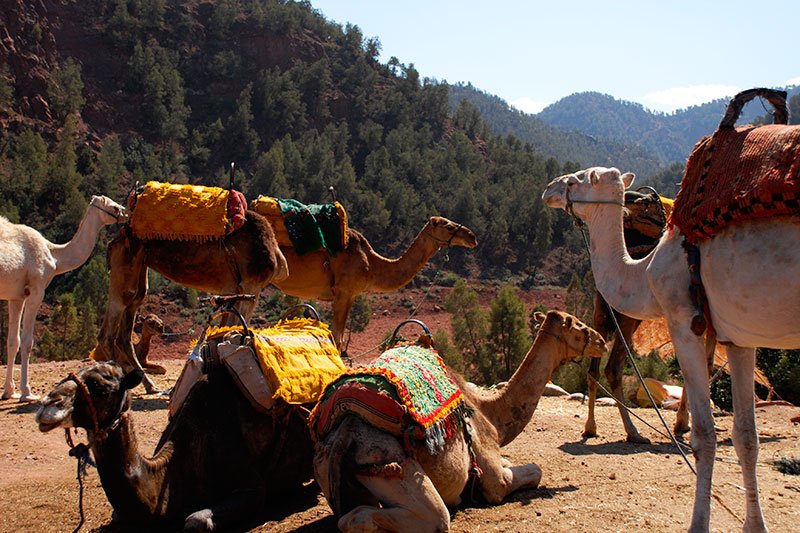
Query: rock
[579, 396]
[551, 389]
[606, 401]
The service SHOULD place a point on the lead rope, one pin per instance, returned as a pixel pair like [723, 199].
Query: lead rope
[620, 337]
[579, 223]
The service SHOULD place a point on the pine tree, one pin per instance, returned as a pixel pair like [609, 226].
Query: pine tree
[509, 336]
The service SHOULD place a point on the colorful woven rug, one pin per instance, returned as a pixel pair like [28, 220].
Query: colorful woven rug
[739, 174]
[406, 391]
[307, 228]
[298, 358]
[185, 212]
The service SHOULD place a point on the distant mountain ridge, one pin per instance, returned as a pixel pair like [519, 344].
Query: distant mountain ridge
[600, 129]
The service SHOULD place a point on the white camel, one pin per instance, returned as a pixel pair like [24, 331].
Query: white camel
[741, 268]
[28, 263]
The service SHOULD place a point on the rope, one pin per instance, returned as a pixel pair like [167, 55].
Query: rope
[628, 350]
[632, 360]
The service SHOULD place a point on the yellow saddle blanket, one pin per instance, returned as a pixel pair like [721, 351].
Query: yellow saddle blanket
[297, 356]
[180, 212]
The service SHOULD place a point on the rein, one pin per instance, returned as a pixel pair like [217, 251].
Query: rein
[81, 451]
[571, 212]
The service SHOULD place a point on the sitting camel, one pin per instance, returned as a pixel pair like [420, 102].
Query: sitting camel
[218, 461]
[28, 263]
[358, 269]
[377, 481]
[744, 308]
[245, 261]
[150, 325]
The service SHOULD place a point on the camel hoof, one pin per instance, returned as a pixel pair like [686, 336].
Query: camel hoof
[28, 398]
[680, 430]
[11, 395]
[589, 435]
[637, 439]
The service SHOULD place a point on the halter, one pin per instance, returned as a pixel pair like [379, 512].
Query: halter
[448, 242]
[116, 216]
[570, 202]
[560, 337]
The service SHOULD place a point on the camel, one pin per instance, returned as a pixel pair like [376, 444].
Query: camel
[218, 461]
[359, 466]
[150, 325]
[28, 263]
[245, 261]
[359, 269]
[745, 310]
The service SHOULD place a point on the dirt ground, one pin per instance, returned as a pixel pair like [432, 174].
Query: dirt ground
[603, 484]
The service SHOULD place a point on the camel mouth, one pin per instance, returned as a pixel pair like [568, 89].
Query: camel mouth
[52, 418]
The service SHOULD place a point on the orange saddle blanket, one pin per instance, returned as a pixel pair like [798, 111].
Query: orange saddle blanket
[739, 174]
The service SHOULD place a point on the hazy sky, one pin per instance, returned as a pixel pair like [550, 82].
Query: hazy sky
[666, 55]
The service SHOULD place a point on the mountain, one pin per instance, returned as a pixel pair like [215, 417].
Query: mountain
[670, 136]
[551, 140]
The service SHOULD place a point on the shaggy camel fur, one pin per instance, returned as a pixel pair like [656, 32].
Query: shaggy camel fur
[358, 269]
[28, 263]
[395, 488]
[245, 261]
[218, 461]
[745, 310]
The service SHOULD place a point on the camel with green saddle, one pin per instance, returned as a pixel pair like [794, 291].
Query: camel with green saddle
[384, 473]
[358, 269]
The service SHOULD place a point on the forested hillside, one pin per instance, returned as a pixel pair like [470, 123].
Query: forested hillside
[585, 148]
[96, 96]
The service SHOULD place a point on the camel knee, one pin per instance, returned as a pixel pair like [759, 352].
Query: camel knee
[199, 521]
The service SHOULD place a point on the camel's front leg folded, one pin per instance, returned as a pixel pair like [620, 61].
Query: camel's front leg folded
[409, 503]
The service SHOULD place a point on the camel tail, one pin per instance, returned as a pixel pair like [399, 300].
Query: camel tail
[342, 443]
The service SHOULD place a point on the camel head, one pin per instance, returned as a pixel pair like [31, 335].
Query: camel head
[448, 233]
[150, 322]
[67, 404]
[110, 211]
[577, 338]
[584, 189]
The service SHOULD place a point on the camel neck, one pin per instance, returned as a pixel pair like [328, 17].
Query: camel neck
[512, 408]
[73, 254]
[388, 275]
[620, 279]
[124, 473]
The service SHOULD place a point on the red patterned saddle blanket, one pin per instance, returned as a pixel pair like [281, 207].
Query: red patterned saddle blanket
[736, 175]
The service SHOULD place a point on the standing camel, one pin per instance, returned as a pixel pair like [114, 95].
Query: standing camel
[358, 269]
[28, 263]
[375, 480]
[244, 261]
[741, 266]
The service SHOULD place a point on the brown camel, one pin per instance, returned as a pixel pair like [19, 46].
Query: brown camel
[374, 482]
[245, 261]
[149, 325]
[358, 269]
[218, 461]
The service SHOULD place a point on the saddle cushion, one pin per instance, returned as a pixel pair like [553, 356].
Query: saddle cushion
[172, 211]
[406, 391]
[306, 228]
[297, 356]
[739, 174]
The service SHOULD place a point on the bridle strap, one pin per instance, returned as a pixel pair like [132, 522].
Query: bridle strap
[570, 202]
[106, 211]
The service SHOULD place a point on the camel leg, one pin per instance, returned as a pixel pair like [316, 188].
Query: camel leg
[744, 434]
[15, 308]
[590, 429]
[614, 367]
[341, 309]
[682, 416]
[32, 304]
[691, 356]
[410, 503]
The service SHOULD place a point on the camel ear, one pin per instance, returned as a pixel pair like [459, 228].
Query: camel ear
[627, 179]
[131, 379]
[594, 177]
[539, 317]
